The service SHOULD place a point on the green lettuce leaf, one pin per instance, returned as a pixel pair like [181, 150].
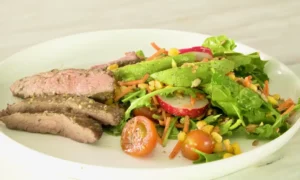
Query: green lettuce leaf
[134, 95]
[203, 157]
[219, 44]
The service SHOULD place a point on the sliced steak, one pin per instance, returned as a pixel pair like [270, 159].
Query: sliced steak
[129, 58]
[107, 115]
[91, 83]
[78, 128]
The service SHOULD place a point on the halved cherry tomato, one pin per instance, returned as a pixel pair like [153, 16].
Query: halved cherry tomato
[199, 140]
[139, 136]
[143, 111]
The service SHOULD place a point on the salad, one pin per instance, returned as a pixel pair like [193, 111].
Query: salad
[200, 96]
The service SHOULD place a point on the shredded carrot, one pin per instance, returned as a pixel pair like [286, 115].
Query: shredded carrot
[266, 88]
[155, 46]
[285, 105]
[159, 52]
[164, 115]
[154, 100]
[176, 150]
[178, 125]
[247, 82]
[204, 60]
[200, 96]
[134, 82]
[167, 125]
[186, 124]
[193, 101]
[289, 109]
[161, 122]
[122, 94]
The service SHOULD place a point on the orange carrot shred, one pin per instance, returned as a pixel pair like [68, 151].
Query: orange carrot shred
[167, 125]
[155, 46]
[266, 88]
[247, 82]
[164, 115]
[200, 96]
[134, 82]
[126, 91]
[159, 52]
[285, 105]
[193, 101]
[186, 124]
[204, 60]
[154, 100]
[175, 150]
[289, 109]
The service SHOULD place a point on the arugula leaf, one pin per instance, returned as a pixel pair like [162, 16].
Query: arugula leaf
[115, 130]
[132, 96]
[224, 128]
[145, 100]
[203, 157]
[219, 44]
[212, 118]
[140, 54]
[193, 125]
[174, 133]
[266, 132]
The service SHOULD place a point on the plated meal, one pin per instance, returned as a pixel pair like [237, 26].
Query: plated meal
[200, 96]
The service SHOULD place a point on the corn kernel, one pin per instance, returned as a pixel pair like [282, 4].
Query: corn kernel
[113, 67]
[173, 52]
[217, 137]
[174, 64]
[143, 86]
[276, 96]
[216, 129]
[231, 75]
[151, 83]
[228, 146]
[236, 148]
[218, 148]
[208, 128]
[181, 136]
[196, 82]
[253, 87]
[272, 100]
[201, 124]
[227, 155]
[158, 85]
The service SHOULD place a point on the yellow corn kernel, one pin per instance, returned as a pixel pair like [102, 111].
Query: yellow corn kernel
[218, 148]
[276, 96]
[236, 148]
[228, 146]
[113, 67]
[152, 83]
[201, 124]
[143, 86]
[272, 100]
[227, 155]
[181, 136]
[158, 85]
[231, 75]
[217, 137]
[253, 87]
[173, 52]
[208, 128]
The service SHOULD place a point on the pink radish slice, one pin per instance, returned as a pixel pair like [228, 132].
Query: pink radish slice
[181, 106]
[201, 52]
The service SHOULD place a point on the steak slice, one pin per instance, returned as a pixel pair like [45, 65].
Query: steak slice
[129, 58]
[91, 83]
[107, 115]
[78, 128]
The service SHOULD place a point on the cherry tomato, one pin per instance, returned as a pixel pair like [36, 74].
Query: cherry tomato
[199, 140]
[143, 111]
[139, 136]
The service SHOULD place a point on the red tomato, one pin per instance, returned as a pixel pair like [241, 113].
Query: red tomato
[199, 140]
[139, 136]
[143, 111]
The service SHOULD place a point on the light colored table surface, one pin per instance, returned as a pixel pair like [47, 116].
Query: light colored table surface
[271, 26]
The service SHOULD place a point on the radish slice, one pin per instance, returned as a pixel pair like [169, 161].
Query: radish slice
[201, 52]
[181, 106]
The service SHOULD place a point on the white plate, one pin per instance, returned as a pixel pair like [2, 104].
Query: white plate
[105, 159]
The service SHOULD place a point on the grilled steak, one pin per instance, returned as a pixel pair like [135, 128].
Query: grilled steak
[107, 115]
[129, 58]
[91, 83]
[78, 128]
